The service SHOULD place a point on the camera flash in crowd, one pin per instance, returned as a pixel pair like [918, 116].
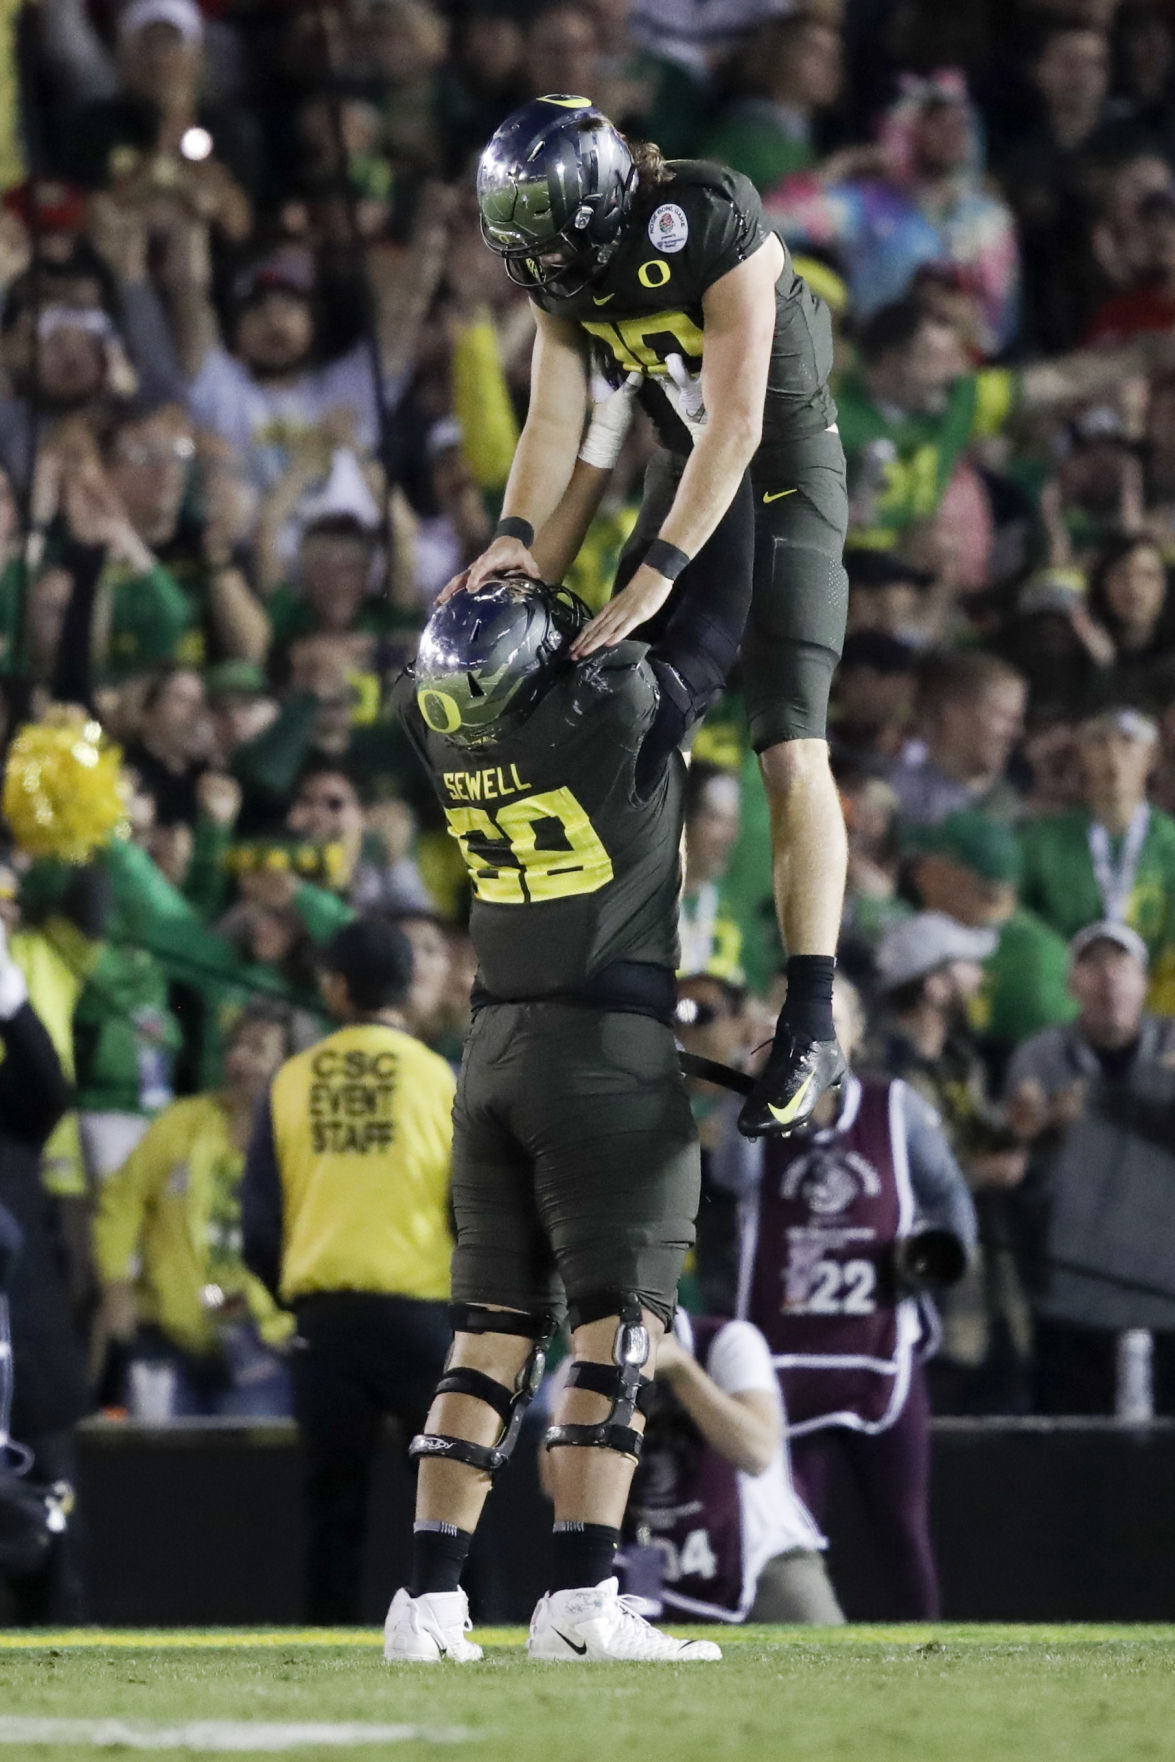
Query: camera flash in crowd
[195, 143]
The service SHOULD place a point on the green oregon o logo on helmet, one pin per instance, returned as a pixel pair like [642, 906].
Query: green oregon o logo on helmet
[440, 711]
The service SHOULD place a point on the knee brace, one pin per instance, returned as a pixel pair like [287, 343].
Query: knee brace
[509, 1404]
[621, 1380]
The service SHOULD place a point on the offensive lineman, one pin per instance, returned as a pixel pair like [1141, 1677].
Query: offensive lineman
[669, 270]
[575, 1161]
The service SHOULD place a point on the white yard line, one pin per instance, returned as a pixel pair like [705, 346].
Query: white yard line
[217, 1734]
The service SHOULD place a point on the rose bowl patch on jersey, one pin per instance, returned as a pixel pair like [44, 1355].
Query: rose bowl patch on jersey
[668, 227]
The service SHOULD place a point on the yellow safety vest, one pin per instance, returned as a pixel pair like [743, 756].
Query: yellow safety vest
[363, 1130]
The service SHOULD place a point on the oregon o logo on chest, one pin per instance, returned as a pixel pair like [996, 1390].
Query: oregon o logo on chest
[440, 711]
[669, 228]
[654, 274]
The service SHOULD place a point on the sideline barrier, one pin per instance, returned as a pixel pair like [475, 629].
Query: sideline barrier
[200, 1523]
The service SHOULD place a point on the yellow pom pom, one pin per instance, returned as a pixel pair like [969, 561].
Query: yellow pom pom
[63, 791]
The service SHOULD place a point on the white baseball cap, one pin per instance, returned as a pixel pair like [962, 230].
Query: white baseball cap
[185, 15]
[1106, 930]
[924, 943]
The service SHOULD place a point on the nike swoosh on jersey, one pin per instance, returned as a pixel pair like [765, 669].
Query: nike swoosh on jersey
[775, 494]
[785, 1115]
[582, 1650]
[602, 299]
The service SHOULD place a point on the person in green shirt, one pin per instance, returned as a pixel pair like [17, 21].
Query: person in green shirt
[331, 594]
[909, 413]
[969, 867]
[1114, 857]
[792, 69]
[710, 935]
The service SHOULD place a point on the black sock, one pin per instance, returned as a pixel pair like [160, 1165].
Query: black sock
[582, 1555]
[439, 1552]
[808, 1008]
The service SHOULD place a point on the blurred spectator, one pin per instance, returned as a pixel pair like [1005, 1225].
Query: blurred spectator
[889, 595]
[1148, 303]
[910, 413]
[711, 936]
[1130, 598]
[969, 868]
[917, 198]
[873, 700]
[931, 973]
[1094, 1101]
[376, 870]
[1113, 857]
[404, 44]
[715, 1020]
[930, 970]
[1044, 169]
[332, 594]
[789, 75]
[872, 902]
[854, 1220]
[171, 754]
[425, 1007]
[1053, 642]
[154, 472]
[202, 1336]
[346, 1221]
[970, 708]
[156, 133]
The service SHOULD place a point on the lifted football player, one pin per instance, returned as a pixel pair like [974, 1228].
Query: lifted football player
[668, 269]
[575, 1162]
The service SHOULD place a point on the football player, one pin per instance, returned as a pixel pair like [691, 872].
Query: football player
[575, 1160]
[669, 270]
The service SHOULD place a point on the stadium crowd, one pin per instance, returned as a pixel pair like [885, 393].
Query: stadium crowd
[260, 384]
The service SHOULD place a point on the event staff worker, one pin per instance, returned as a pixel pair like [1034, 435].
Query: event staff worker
[345, 1209]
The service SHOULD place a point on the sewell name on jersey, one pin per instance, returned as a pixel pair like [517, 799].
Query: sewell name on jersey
[490, 784]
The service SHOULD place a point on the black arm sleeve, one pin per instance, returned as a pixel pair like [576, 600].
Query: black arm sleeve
[701, 639]
[261, 1203]
[34, 1092]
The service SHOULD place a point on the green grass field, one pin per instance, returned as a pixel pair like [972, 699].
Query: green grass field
[973, 1694]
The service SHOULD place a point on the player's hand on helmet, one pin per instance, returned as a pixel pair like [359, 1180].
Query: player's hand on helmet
[505, 556]
[685, 395]
[611, 416]
[645, 594]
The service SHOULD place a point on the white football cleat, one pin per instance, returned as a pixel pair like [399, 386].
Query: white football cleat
[423, 1630]
[596, 1624]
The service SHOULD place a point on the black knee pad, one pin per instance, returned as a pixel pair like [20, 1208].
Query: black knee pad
[621, 1380]
[509, 1404]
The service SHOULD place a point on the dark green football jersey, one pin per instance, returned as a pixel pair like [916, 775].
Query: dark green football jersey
[681, 238]
[571, 868]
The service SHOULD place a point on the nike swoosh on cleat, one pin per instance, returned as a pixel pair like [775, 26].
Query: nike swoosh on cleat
[600, 300]
[582, 1650]
[785, 1115]
[775, 494]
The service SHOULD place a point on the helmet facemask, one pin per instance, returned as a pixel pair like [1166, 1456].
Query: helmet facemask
[556, 187]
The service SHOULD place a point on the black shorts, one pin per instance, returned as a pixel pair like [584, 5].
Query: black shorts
[797, 624]
[575, 1160]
